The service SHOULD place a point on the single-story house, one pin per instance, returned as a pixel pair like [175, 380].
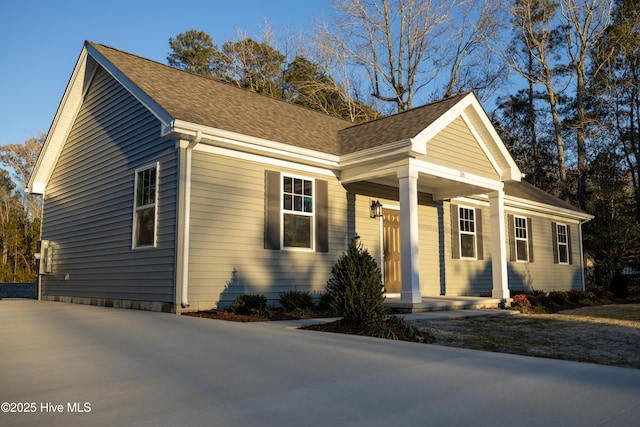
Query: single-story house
[165, 190]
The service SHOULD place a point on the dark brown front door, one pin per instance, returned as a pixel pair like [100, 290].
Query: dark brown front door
[391, 245]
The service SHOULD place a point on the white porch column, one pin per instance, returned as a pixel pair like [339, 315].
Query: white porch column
[410, 261]
[498, 245]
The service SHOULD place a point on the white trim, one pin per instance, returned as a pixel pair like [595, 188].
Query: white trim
[565, 244]
[481, 143]
[226, 152]
[474, 233]
[148, 166]
[516, 238]
[312, 234]
[380, 152]
[456, 175]
[248, 143]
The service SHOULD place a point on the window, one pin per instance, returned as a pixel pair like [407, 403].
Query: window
[467, 232]
[521, 239]
[563, 243]
[144, 215]
[297, 212]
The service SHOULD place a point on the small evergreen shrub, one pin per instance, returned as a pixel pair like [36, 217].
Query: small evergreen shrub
[250, 304]
[558, 298]
[296, 301]
[355, 288]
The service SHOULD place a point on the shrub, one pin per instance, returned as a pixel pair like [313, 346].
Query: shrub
[296, 301]
[575, 296]
[521, 301]
[355, 287]
[558, 298]
[250, 304]
[619, 286]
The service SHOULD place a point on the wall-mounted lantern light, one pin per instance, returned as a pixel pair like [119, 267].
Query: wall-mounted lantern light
[376, 209]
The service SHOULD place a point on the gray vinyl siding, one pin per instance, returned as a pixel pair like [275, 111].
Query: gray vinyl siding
[227, 234]
[468, 276]
[88, 205]
[542, 273]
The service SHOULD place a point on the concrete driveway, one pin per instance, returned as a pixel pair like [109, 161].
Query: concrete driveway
[85, 365]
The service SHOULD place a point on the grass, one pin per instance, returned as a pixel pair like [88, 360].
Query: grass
[608, 335]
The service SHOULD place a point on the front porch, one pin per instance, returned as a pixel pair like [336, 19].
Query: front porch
[442, 302]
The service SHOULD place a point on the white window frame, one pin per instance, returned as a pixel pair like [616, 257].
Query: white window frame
[153, 205]
[524, 239]
[462, 232]
[311, 215]
[564, 244]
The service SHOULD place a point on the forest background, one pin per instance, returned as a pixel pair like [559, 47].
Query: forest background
[572, 125]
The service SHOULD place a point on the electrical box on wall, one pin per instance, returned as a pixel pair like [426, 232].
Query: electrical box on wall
[44, 257]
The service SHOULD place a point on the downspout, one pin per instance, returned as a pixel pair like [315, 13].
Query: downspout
[584, 284]
[184, 216]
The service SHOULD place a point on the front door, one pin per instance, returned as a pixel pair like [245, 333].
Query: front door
[391, 246]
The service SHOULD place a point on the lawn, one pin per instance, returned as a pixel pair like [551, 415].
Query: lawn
[607, 334]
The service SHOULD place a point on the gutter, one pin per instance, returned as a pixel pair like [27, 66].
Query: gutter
[185, 214]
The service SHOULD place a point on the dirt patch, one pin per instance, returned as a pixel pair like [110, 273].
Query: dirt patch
[608, 335]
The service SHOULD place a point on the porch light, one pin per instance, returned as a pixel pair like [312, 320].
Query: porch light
[376, 209]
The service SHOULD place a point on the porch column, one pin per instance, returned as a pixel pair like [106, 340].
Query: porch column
[498, 245]
[410, 261]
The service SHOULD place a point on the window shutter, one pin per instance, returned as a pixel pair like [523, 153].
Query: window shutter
[511, 224]
[322, 216]
[554, 239]
[530, 238]
[479, 245]
[455, 232]
[272, 210]
[569, 243]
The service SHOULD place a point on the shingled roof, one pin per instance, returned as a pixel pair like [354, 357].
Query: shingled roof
[524, 190]
[393, 128]
[208, 102]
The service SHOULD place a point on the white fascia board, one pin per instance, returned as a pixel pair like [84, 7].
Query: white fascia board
[151, 105]
[426, 135]
[250, 144]
[377, 153]
[61, 125]
[514, 173]
[460, 176]
[525, 206]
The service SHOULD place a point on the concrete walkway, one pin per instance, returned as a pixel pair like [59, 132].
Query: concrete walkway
[126, 367]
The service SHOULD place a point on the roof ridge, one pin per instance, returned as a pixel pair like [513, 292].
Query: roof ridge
[221, 82]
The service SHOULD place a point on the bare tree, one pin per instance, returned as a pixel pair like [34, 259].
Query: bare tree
[587, 21]
[397, 42]
[531, 54]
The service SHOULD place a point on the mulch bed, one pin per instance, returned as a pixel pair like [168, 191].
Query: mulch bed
[343, 327]
[276, 314]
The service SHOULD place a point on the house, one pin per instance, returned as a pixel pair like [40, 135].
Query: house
[168, 191]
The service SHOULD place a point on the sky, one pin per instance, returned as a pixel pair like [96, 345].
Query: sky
[42, 40]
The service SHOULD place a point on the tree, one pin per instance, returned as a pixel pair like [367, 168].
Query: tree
[587, 20]
[194, 52]
[392, 40]
[531, 54]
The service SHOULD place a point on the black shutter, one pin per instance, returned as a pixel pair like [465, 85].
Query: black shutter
[530, 238]
[322, 216]
[569, 244]
[455, 232]
[511, 224]
[272, 210]
[479, 242]
[554, 239]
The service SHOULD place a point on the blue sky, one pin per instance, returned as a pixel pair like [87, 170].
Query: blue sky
[43, 38]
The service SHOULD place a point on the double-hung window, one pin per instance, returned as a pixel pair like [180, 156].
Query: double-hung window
[467, 220]
[144, 213]
[563, 243]
[297, 212]
[521, 235]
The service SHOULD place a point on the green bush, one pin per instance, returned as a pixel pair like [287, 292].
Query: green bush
[250, 304]
[619, 286]
[355, 288]
[296, 301]
[559, 298]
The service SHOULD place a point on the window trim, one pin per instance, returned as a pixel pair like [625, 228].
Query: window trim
[136, 208]
[525, 239]
[474, 233]
[311, 215]
[565, 244]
